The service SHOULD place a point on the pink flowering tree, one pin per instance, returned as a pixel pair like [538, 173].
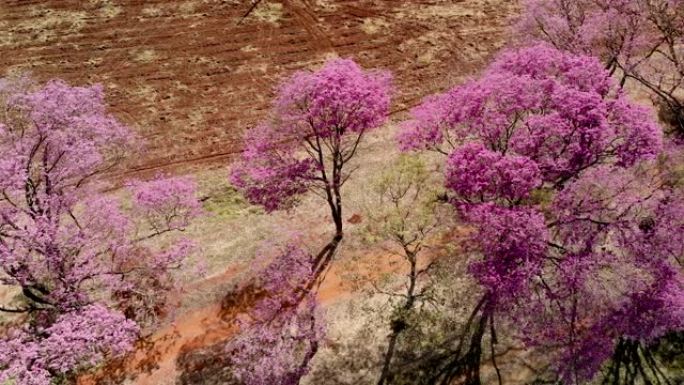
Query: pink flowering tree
[643, 39]
[316, 124]
[281, 333]
[86, 278]
[612, 220]
[550, 164]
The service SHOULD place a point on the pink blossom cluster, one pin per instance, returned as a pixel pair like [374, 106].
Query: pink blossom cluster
[269, 172]
[78, 339]
[577, 240]
[277, 353]
[515, 243]
[652, 313]
[315, 125]
[478, 174]
[611, 220]
[63, 119]
[337, 99]
[167, 203]
[426, 130]
[608, 29]
[639, 42]
[560, 110]
[282, 331]
[64, 244]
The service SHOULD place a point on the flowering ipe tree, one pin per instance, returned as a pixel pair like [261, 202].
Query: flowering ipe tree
[317, 122]
[643, 39]
[86, 283]
[575, 234]
[281, 332]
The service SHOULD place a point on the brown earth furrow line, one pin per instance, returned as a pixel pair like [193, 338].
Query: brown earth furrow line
[201, 63]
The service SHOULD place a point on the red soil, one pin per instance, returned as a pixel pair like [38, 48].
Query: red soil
[154, 361]
[191, 76]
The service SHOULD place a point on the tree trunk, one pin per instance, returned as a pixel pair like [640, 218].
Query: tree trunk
[399, 325]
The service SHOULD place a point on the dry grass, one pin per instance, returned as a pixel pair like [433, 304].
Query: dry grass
[327, 4]
[248, 48]
[144, 56]
[188, 7]
[268, 12]
[355, 336]
[449, 10]
[152, 11]
[42, 26]
[373, 25]
[106, 8]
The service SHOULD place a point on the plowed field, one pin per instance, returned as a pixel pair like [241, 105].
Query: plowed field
[191, 75]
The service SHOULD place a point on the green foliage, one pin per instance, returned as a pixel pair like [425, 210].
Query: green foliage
[226, 202]
[403, 204]
[670, 351]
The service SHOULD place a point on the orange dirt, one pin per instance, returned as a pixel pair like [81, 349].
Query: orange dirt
[154, 361]
[202, 326]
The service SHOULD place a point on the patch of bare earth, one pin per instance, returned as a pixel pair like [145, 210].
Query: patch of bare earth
[192, 75]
